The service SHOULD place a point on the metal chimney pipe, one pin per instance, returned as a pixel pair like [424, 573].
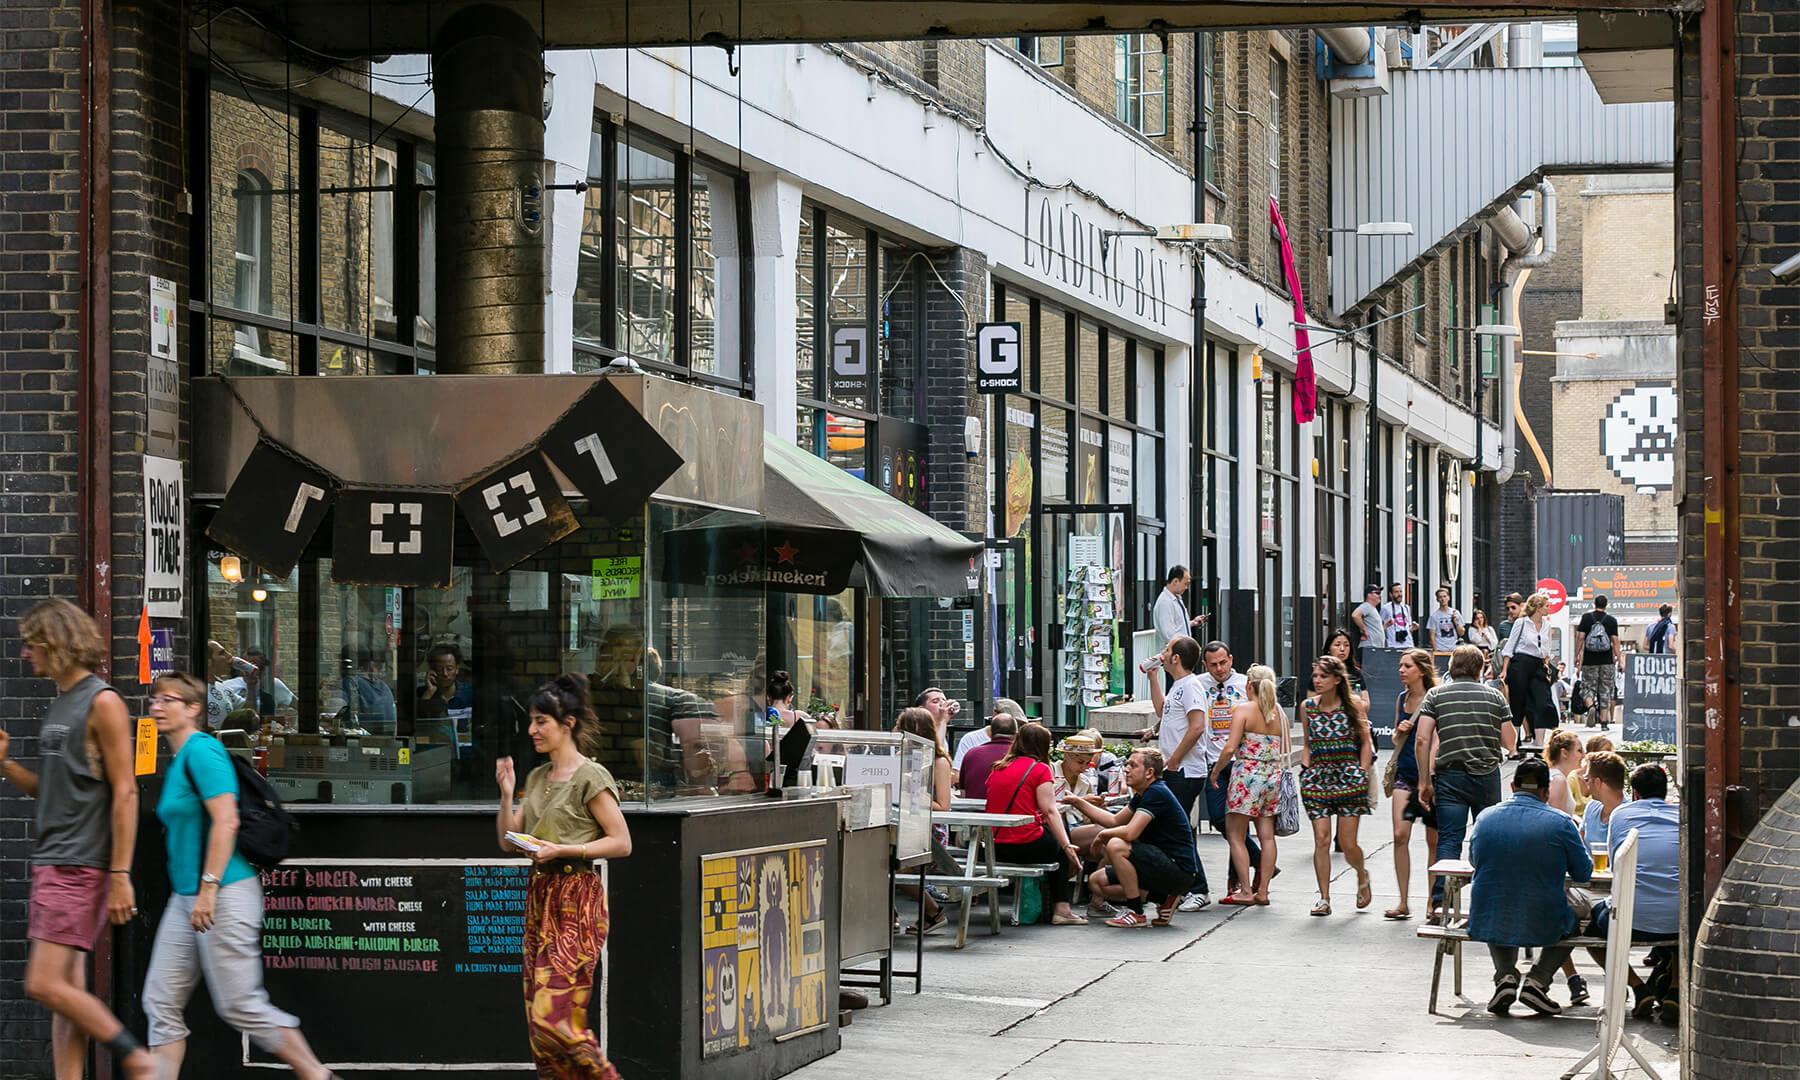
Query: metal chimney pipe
[1349, 45]
[489, 65]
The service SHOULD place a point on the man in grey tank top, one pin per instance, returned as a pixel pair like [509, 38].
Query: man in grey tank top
[87, 817]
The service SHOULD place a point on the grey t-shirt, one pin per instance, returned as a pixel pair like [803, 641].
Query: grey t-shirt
[74, 806]
[1370, 617]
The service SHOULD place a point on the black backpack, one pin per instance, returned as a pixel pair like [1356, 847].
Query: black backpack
[266, 831]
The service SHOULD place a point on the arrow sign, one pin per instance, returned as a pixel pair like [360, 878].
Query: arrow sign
[143, 639]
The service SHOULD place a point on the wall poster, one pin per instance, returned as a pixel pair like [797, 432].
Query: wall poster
[762, 942]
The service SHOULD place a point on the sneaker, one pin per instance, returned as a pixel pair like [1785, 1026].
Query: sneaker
[1578, 990]
[1505, 990]
[1129, 919]
[940, 896]
[1645, 1009]
[1100, 909]
[1194, 901]
[1537, 998]
[1165, 910]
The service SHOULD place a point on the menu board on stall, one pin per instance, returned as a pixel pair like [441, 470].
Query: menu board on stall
[404, 941]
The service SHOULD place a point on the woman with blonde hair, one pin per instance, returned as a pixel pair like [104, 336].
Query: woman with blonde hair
[1418, 674]
[1563, 753]
[1335, 760]
[1522, 669]
[1259, 734]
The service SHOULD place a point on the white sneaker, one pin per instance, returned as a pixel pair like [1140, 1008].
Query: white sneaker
[1193, 901]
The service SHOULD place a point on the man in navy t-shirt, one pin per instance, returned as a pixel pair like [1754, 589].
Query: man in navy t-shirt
[1148, 845]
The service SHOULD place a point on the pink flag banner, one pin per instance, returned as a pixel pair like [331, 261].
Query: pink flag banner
[1306, 394]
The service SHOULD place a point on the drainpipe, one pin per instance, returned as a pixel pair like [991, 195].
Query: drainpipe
[94, 391]
[1197, 356]
[1509, 306]
[490, 156]
[1349, 44]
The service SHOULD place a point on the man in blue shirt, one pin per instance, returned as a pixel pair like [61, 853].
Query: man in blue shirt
[1147, 846]
[1656, 906]
[1521, 852]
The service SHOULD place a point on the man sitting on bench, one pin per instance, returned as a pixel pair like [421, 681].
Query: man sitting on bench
[1521, 851]
[1656, 909]
[1146, 846]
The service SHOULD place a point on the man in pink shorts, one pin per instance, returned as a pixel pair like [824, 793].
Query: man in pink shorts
[87, 818]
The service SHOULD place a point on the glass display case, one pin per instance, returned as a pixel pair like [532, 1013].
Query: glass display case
[898, 761]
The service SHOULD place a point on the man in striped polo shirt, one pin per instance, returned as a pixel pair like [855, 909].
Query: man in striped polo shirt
[1472, 722]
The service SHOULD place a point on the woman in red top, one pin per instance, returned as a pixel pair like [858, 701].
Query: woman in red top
[1023, 784]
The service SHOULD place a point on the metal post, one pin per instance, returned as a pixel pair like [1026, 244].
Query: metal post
[1196, 356]
[1719, 422]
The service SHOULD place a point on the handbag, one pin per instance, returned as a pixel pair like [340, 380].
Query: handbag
[1580, 699]
[1287, 810]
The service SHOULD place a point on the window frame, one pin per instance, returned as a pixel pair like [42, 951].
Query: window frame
[1031, 47]
[1209, 143]
[1131, 102]
[1276, 150]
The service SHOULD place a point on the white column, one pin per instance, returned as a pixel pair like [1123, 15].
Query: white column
[1361, 506]
[567, 134]
[1247, 529]
[774, 238]
[1396, 570]
[1180, 461]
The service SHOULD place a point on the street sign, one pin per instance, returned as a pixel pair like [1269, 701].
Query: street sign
[1632, 591]
[998, 369]
[1554, 590]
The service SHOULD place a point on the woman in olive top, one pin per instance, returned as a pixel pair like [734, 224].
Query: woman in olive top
[571, 805]
[214, 920]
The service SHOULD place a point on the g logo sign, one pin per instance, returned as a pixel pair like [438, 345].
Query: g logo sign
[849, 352]
[997, 358]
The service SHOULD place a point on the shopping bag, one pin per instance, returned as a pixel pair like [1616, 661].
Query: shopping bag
[1287, 813]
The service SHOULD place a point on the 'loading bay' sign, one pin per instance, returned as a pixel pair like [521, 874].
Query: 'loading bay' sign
[405, 536]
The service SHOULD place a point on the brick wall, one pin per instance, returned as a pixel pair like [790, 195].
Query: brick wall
[1580, 409]
[1629, 245]
[40, 279]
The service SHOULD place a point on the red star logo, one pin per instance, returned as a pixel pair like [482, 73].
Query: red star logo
[786, 552]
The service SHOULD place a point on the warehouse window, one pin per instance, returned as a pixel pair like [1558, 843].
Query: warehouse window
[1140, 86]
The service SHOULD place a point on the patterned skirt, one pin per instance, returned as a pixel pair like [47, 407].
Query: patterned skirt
[1335, 788]
[565, 929]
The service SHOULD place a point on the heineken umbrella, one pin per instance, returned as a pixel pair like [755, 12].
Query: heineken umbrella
[824, 531]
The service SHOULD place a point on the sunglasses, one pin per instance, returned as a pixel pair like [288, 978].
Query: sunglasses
[170, 699]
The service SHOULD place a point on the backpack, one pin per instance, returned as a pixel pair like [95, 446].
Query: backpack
[1598, 639]
[266, 830]
[1657, 639]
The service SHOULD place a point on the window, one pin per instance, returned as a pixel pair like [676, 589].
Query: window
[1450, 319]
[1418, 303]
[662, 274]
[1042, 51]
[1277, 118]
[1209, 169]
[1140, 87]
[320, 244]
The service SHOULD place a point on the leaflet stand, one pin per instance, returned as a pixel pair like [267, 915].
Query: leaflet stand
[1618, 968]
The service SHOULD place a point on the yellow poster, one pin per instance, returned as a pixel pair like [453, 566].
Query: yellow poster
[146, 746]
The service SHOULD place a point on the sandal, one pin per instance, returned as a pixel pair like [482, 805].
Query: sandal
[1397, 913]
[1364, 894]
[1238, 901]
[1068, 920]
[929, 926]
[1261, 901]
[1323, 907]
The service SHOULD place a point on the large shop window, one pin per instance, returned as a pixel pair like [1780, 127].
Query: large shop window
[1087, 432]
[375, 695]
[663, 273]
[320, 240]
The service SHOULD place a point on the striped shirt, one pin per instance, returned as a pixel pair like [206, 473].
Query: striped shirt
[1468, 716]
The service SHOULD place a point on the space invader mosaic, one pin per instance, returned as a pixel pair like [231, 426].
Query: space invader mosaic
[1638, 436]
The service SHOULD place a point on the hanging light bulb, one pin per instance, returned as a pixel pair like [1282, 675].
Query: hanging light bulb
[230, 568]
[259, 594]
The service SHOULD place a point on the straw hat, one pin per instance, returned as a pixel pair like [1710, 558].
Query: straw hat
[1080, 744]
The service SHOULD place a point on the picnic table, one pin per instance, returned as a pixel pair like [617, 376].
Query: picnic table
[978, 872]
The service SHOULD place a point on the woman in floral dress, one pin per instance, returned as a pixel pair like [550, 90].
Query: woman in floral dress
[1335, 761]
[1258, 743]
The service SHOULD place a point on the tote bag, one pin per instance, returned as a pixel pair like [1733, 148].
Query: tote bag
[1287, 812]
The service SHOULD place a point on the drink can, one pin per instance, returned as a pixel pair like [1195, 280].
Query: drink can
[1151, 664]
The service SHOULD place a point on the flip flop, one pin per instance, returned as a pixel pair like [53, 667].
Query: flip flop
[1397, 913]
[1323, 907]
[1364, 893]
[1261, 903]
[1068, 920]
[1235, 902]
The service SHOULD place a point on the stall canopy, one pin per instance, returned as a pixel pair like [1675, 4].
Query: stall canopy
[825, 531]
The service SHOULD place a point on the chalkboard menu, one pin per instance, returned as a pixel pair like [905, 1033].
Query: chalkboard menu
[391, 964]
[1652, 683]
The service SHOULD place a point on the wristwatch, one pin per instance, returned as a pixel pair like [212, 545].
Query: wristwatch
[208, 879]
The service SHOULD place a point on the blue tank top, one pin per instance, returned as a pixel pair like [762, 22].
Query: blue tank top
[1406, 767]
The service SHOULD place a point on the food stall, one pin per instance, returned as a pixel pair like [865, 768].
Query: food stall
[381, 598]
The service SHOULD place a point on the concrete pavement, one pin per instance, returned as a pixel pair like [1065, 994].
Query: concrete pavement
[1246, 992]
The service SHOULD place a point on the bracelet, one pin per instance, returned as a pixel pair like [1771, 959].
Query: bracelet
[118, 871]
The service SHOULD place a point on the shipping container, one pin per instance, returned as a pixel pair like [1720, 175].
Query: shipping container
[1576, 530]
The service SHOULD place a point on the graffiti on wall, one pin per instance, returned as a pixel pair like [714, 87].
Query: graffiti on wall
[1637, 436]
[762, 945]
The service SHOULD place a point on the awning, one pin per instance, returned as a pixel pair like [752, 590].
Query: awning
[825, 531]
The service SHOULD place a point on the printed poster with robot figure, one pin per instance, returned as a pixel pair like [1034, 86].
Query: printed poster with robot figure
[1089, 612]
[762, 942]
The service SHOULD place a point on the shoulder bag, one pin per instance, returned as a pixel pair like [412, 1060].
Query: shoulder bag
[1287, 811]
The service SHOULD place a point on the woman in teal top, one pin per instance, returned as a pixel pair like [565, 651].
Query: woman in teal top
[213, 924]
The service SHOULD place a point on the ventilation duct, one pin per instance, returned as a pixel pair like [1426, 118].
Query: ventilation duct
[1510, 271]
[489, 66]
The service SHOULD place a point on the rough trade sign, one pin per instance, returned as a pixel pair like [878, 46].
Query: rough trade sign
[1064, 247]
[165, 538]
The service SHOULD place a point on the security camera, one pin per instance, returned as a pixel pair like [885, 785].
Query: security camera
[1787, 269]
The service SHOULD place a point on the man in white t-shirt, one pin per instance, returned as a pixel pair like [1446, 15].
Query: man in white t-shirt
[1444, 623]
[981, 736]
[1397, 619]
[1223, 689]
[1181, 736]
